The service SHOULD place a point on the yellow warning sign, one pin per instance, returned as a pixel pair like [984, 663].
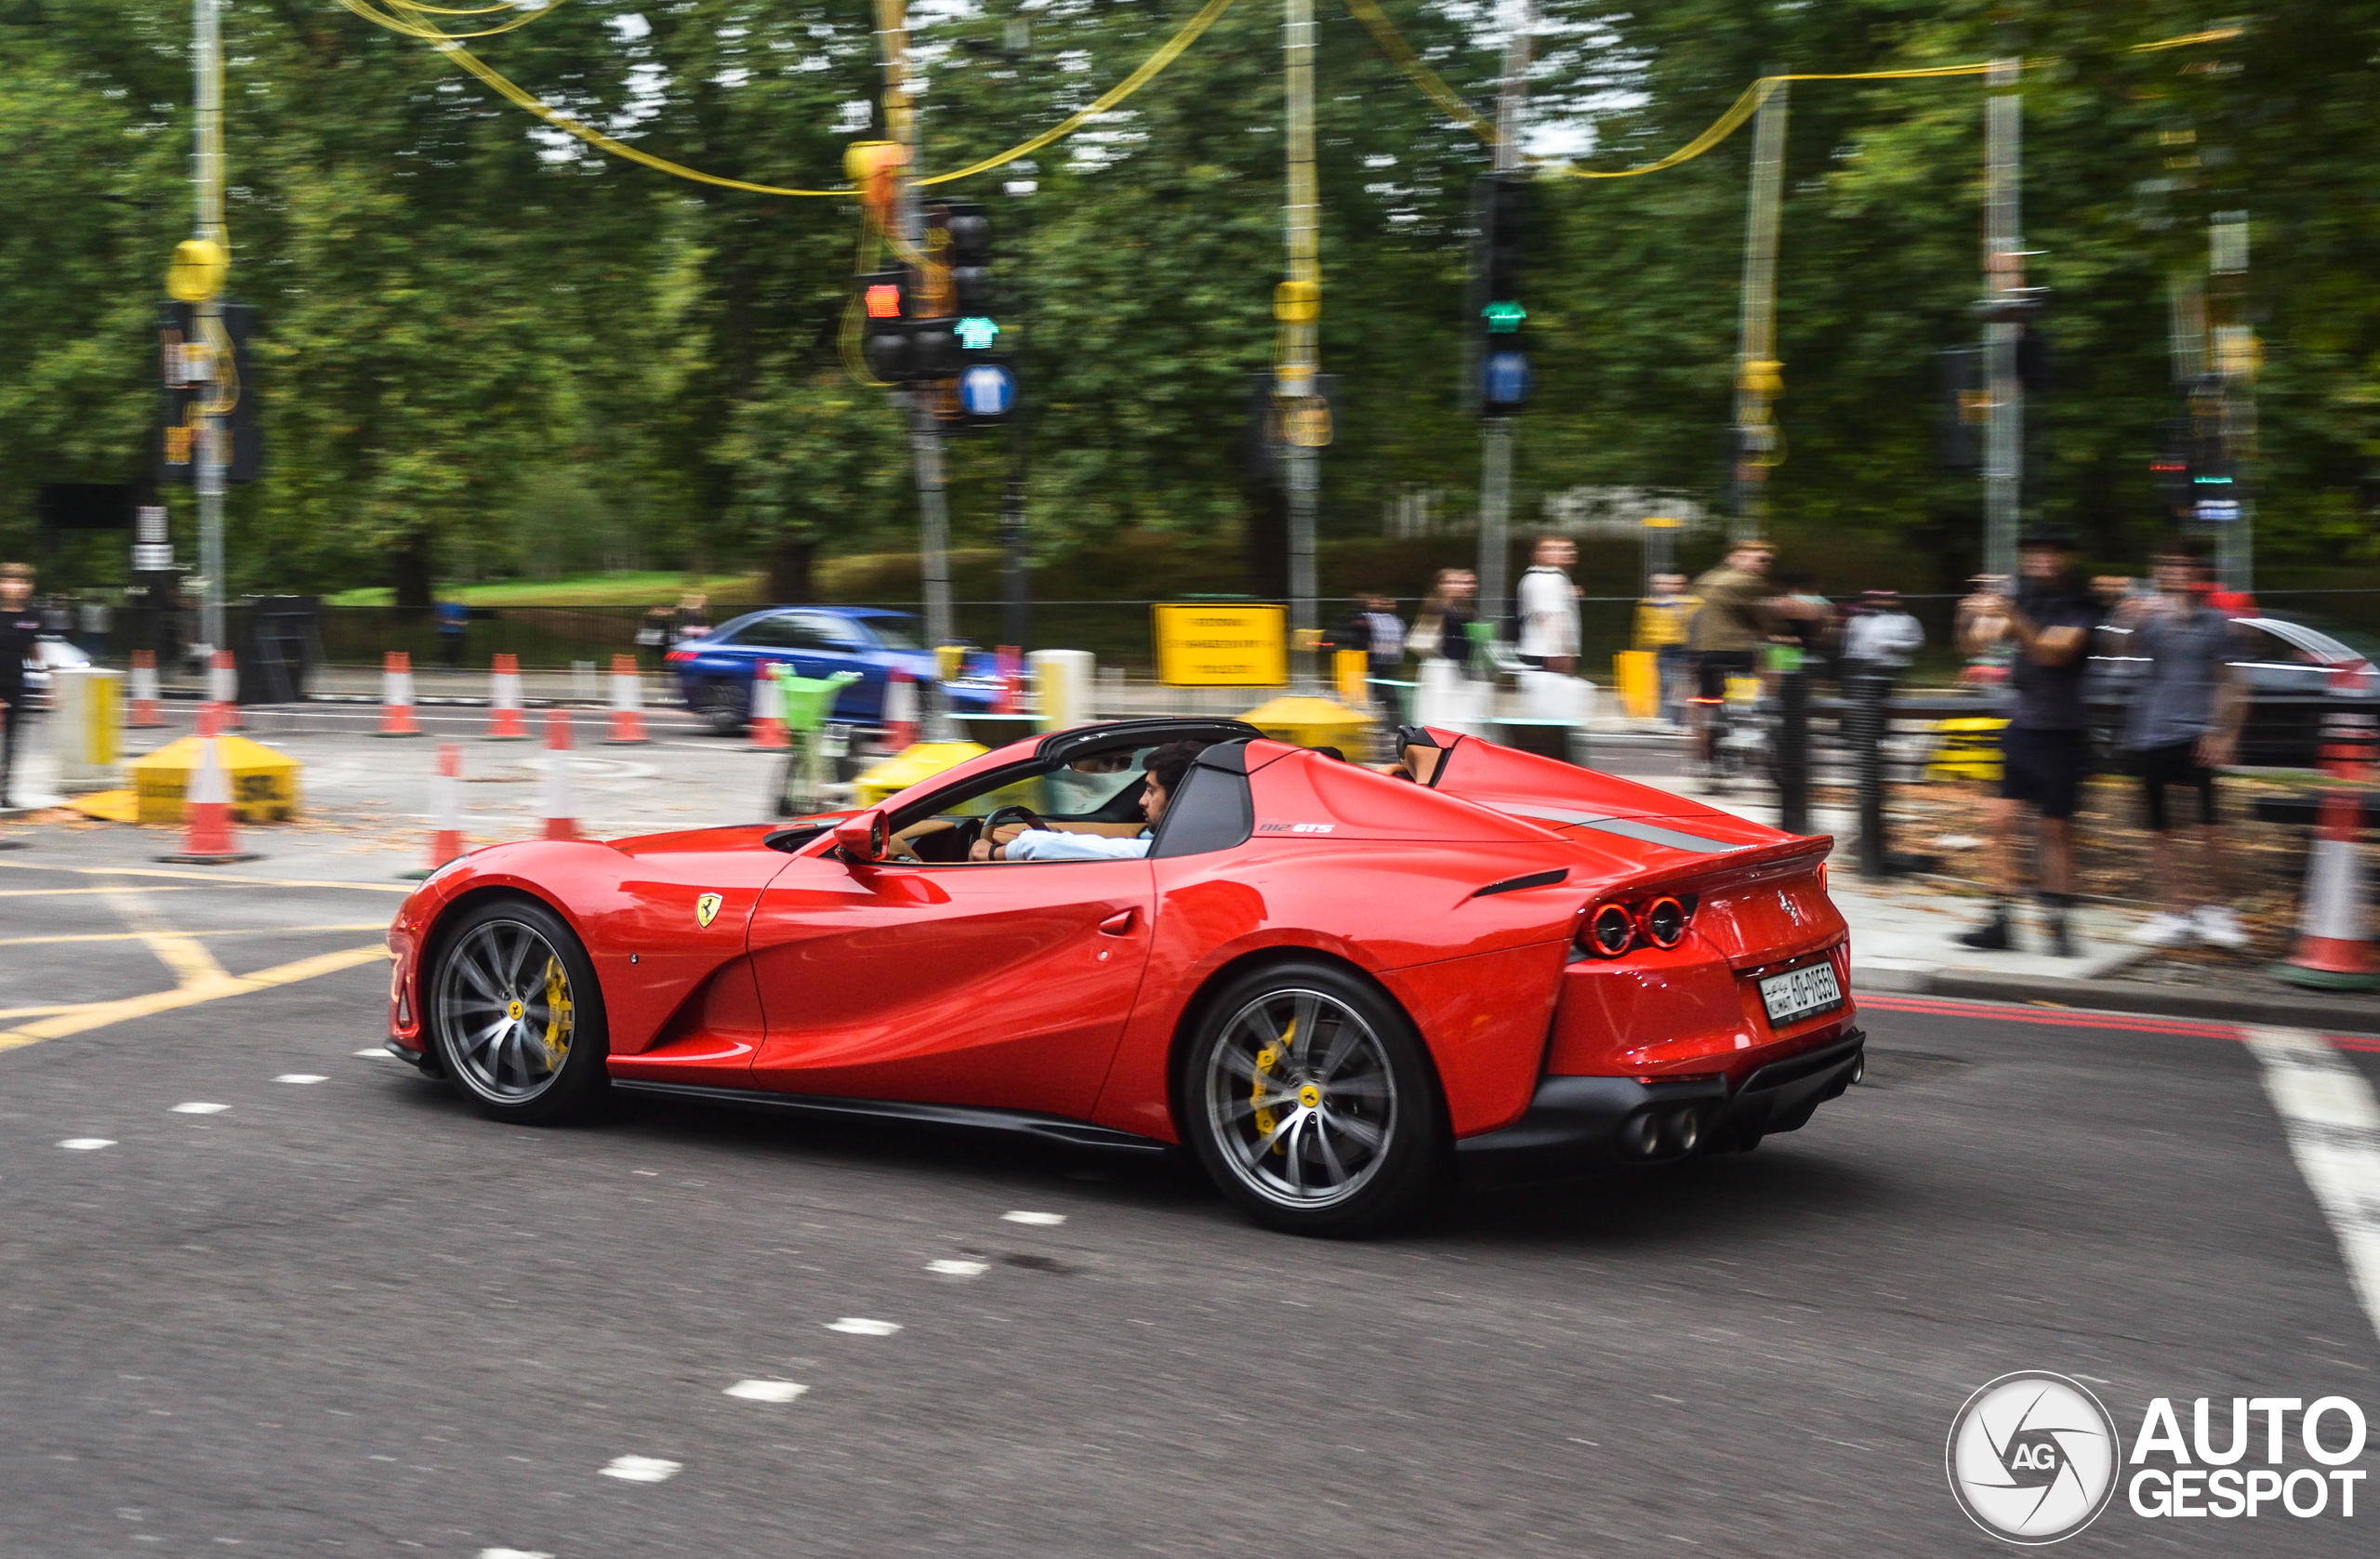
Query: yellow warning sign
[1219, 645]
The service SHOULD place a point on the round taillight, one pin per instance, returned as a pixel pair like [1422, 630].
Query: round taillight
[1665, 922]
[1609, 931]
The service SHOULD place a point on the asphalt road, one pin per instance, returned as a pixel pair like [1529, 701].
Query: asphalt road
[342, 1313]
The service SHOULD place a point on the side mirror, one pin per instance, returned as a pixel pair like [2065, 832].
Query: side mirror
[865, 837]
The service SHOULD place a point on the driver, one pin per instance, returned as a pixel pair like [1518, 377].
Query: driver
[1166, 767]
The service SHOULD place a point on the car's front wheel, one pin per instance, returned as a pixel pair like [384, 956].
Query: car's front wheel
[1309, 1100]
[516, 1013]
[724, 704]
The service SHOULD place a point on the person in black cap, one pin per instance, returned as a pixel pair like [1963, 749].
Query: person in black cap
[2043, 750]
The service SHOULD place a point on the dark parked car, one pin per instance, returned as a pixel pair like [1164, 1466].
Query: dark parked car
[715, 673]
[2292, 665]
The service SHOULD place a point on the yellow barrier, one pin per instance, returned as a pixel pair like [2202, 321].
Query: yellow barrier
[1636, 674]
[1311, 722]
[1969, 750]
[912, 765]
[264, 783]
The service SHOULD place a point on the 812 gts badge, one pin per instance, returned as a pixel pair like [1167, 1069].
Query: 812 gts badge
[706, 909]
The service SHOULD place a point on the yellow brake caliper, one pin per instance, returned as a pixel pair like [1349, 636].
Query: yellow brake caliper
[1266, 1059]
[557, 1014]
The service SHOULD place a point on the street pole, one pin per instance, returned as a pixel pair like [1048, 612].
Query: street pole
[1017, 582]
[1757, 379]
[2003, 267]
[1496, 432]
[1298, 354]
[925, 433]
[206, 173]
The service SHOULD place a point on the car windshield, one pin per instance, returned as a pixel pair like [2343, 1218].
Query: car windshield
[2325, 643]
[892, 633]
[1088, 787]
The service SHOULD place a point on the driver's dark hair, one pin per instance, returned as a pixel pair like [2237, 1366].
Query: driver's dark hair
[1168, 763]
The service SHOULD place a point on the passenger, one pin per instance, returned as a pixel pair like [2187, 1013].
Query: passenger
[1166, 768]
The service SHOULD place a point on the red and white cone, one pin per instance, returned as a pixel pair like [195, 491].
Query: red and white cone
[223, 690]
[2335, 951]
[504, 721]
[447, 806]
[556, 805]
[627, 705]
[141, 714]
[1011, 674]
[209, 838]
[767, 707]
[396, 696]
[900, 711]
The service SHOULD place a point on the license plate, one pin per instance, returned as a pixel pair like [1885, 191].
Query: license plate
[1797, 993]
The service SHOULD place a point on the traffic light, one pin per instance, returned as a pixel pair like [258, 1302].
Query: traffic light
[884, 323]
[1963, 408]
[192, 376]
[1501, 206]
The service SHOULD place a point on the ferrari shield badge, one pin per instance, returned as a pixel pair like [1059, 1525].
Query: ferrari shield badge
[706, 909]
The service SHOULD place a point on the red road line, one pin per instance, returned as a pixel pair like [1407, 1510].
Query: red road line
[2076, 1017]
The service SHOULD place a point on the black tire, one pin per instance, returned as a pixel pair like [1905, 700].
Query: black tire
[1289, 1158]
[515, 1014]
[724, 704]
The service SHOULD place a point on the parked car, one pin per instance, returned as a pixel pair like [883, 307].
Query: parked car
[2292, 665]
[715, 673]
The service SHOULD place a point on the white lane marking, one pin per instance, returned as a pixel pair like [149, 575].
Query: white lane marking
[860, 1326]
[766, 1390]
[301, 1077]
[1040, 1219]
[84, 1145]
[958, 1269]
[642, 1469]
[2333, 1124]
[200, 1107]
[379, 1054]
[514, 1553]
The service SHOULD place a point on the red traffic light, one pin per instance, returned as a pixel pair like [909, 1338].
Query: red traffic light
[883, 301]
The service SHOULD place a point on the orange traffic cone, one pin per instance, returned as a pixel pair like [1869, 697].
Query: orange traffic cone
[1012, 675]
[208, 839]
[559, 824]
[504, 721]
[627, 705]
[223, 690]
[900, 711]
[141, 714]
[767, 707]
[396, 696]
[447, 806]
[2334, 950]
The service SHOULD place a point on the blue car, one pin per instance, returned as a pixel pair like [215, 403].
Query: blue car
[715, 673]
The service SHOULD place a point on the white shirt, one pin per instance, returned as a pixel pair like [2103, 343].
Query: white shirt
[1549, 605]
[1889, 638]
[1048, 844]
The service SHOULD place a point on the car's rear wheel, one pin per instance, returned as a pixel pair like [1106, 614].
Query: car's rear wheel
[724, 704]
[1310, 1103]
[516, 1013]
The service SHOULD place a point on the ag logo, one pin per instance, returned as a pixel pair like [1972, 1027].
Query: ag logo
[706, 909]
[2032, 1457]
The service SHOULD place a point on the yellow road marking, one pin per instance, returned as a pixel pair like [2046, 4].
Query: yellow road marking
[135, 936]
[191, 964]
[213, 877]
[57, 893]
[99, 1014]
[37, 1012]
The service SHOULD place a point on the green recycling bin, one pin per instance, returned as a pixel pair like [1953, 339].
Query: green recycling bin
[807, 706]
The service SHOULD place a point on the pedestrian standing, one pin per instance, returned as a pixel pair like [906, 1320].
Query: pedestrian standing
[454, 620]
[1385, 649]
[1548, 607]
[2048, 622]
[694, 616]
[96, 621]
[2183, 725]
[1664, 619]
[1881, 639]
[21, 630]
[1728, 630]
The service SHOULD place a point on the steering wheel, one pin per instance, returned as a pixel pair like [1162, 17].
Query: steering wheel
[1001, 818]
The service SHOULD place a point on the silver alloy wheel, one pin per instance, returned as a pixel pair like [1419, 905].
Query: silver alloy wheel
[503, 1005]
[1301, 1099]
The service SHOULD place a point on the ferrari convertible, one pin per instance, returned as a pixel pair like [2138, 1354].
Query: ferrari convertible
[1334, 985]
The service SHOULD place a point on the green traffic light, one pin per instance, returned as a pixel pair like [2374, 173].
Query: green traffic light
[1503, 318]
[975, 333]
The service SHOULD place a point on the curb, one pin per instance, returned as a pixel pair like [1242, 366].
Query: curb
[2336, 1014]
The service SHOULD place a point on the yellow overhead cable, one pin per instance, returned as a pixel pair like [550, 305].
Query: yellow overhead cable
[431, 34]
[468, 10]
[1748, 104]
[2212, 36]
[1115, 94]
[1385, 33]
[520, 97]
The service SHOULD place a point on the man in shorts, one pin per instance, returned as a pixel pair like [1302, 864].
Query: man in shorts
[2182, 726]
[2045, 749]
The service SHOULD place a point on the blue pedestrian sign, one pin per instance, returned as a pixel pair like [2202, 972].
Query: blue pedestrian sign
[1504, 382]
[987, 389]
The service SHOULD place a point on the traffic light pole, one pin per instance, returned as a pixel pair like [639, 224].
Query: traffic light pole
[210, 456]
[1300, 352]
[1016, 581]
[1757, 381]
[2003, 459]
[1496, 432]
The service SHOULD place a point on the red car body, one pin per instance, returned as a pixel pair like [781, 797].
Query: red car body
[1054, 996]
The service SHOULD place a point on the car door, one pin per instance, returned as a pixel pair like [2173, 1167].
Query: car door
[995, 984]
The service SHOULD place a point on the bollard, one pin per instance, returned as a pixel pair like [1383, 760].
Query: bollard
[447, 806]
[504, 721]
[1793, 752]
[767, 707]
[1867, 735]
[627, 705]
[143, 713]
[556, 804]
[396, 696]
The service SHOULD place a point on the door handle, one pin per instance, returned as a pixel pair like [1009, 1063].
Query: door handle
[1120, 925]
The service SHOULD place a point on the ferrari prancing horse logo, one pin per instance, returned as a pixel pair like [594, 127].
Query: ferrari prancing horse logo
[706, 909]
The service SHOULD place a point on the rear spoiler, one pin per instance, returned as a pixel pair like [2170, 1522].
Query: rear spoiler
[1759, 863]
